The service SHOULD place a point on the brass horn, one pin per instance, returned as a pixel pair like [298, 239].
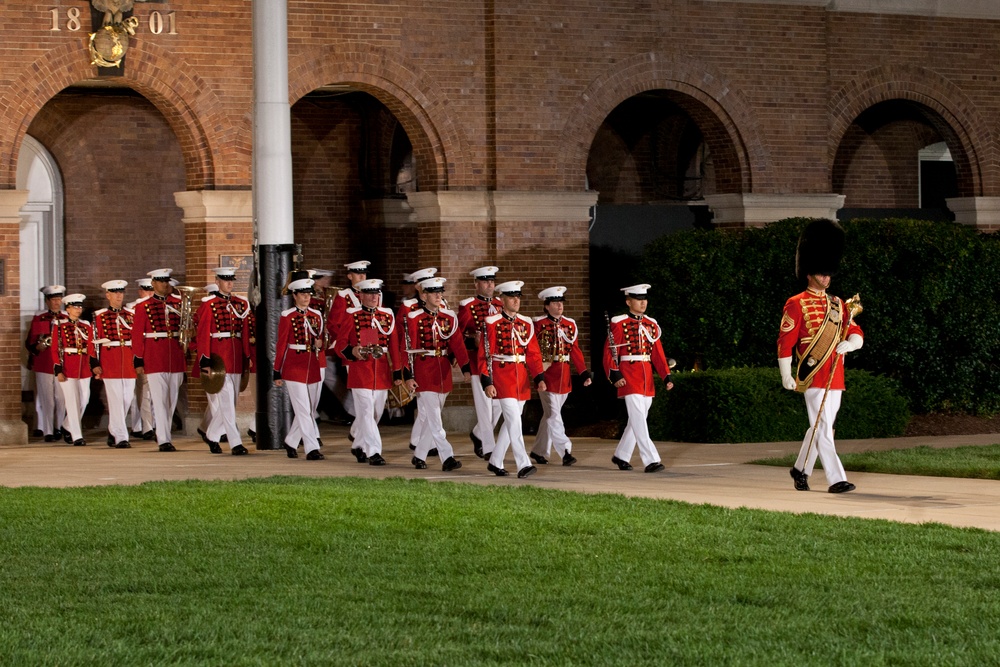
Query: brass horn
[215, 377]
[187, 331]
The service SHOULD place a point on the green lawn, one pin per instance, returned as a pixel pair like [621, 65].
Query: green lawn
[974, 461]
[316, 571]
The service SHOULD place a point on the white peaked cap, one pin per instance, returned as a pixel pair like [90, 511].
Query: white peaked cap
[511, 287]
[552, 293]
[636, 290]
[117, 285]
[370, 285]
[485, 272]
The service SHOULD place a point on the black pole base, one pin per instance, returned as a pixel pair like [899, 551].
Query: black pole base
[274, 411]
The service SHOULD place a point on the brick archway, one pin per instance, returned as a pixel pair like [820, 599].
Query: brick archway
[206, 136]
[421, 108]
[722, 113]
[953, 114]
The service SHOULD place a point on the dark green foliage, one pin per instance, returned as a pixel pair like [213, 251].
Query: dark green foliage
[749, 405]
[929, 289]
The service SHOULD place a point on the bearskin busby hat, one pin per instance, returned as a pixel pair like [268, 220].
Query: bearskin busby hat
[820, 249]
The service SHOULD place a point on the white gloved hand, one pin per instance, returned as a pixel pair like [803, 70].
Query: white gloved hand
[853, 342]
[785, 366]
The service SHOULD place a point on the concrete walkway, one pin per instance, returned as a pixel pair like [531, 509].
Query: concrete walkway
[715, 474]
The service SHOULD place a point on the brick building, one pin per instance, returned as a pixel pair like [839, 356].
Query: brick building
[455, 134]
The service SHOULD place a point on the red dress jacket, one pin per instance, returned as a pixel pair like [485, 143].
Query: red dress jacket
[222, 330]
[438, 339]
[802, 317]
[113, 332]
[346, 298]
[298, 353]
[155, 330]
[639, 353]
[40, 361]
[514, 356]
[361, 326]
[72, 349]
[472, 314]
[557, 339]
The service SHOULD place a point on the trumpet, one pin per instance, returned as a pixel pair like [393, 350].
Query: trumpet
[373, 351]
[43, 343]
[187, 315]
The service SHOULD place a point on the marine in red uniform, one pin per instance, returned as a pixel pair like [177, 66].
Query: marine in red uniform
[819, 329]
[157, 351]
[369, 340]
[298, 363]
[414, 302]
[348, 297]
[49, 404]
[510, 360]
[141, 415]
[630, 359]
[222, 332]
[557, 338]
[73, 355]
[472, 314]
[435, 338]
[113, 343]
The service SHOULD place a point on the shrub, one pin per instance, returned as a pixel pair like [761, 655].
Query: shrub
[749, 405]
[929, 289]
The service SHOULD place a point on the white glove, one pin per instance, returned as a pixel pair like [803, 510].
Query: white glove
[785, 366]
[853, 342]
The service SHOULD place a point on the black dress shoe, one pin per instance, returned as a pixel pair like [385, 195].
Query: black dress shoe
[842, 487]
[204, 436]
[538, 458]
[136, 434]
[622, 465]
[49, 437]
[419, 464]
[376, 460]
[239, 450]
[655, 467]
[124, 444]
[149, 435]
[315, 455]
[223, 438]
[67, 437]
[291, 452]
[801, 479]
[37, 433]
[433, 452]
[412, 447]
[253, 435]
[499, 472]
[79, 442]
[214, 447]
[477, 445]
[359, 454]
[568, 459]
[527, 471]
[167, 447]
[350, 437]
[451, 463]
[111, 440]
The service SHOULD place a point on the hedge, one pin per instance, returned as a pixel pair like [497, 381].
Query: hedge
[930, 290]
[749, 405]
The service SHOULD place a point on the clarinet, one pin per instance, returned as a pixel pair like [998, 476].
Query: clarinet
[611, 341]
[486, 352]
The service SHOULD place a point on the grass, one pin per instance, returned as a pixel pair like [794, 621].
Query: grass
[973, 461]
[289, 571]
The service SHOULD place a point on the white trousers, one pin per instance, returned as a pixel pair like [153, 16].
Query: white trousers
[432, 434]
[76, 393]
[141, 413]
[121, 395]
[419, 430]
[487, 415]
[511, 409]
[369, 404]
[49, 404]
[823, 446]
[163, 389]
[552, 430]
[338, 386]
[303, 397]
[223, 407]
[636, 431]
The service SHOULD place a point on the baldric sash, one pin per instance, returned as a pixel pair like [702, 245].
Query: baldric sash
[822, 345]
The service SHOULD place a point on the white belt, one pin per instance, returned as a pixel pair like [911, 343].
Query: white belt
[430, 353]
[227, 334]
[298, 347]
[560, 358]
[72, 350]
[509, 358]
[635, 357]
[162, 334]
[117, 343]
